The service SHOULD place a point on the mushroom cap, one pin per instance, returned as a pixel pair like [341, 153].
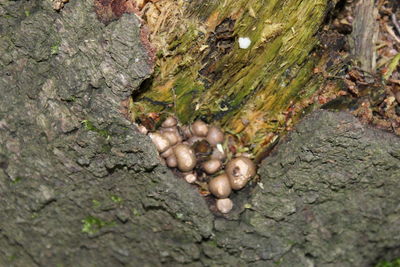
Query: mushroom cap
[169, 122]
[224, 205]
[168, 129]
[185, 157]
[173, 137]
[186, 132]
[160, 141]
[199, 128]
[167, 153]
[218, 154]
[202, 148]
[190, 177]
[194, 139]
[211, 166]
[240, 170]
[142, 129]
[220, 186]
[215, 136]
[171, 161]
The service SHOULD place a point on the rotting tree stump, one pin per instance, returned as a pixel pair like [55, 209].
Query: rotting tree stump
[201, 72]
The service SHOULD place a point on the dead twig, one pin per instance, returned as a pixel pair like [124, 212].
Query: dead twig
[392, 33]
[396, 23]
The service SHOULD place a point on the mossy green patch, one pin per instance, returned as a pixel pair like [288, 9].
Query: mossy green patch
[96, 203]
[136, 212]
[116, 199]
[17, 180]
[89, 126]
[394, 263]
[93, 224]
[54, 49]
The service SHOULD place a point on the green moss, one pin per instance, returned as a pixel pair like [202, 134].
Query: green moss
[96, 203]
[12, 258]
[55, 49]
[212, 243]
[392, 66]
[93, 224]
[90, 127]
[394, 263]
[116, 199]
[278, 262]
[183, 44]
[17, 180]
[136, 212]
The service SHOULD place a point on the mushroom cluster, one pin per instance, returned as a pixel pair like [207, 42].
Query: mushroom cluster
[198, 154]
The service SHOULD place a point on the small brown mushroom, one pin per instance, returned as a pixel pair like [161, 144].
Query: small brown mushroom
[194, 139]
[211, 166]
[218, 154]
[224, 205]
[168, 129]
[169, 122]
[199, 128]
[162, 143]
[185, 157]
[220, 186]
[173, 137]
[171, 161]
[142, 129]
[167, 153]
[163, 162]
[202, 147]
[397, 96]
[190, 177]
[186, 132]
[240, 170]
[215, 136]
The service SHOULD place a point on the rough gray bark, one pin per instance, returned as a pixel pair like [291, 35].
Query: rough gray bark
[94, 193]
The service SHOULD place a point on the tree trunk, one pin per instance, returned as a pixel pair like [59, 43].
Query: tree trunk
[79, 186]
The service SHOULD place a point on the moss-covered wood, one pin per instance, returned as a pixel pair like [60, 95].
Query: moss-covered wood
[203, 73]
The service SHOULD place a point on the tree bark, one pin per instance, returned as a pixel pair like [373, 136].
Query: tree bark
[79, 186]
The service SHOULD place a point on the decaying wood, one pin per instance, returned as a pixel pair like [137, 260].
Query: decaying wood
[203, 73]
[365, 34]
